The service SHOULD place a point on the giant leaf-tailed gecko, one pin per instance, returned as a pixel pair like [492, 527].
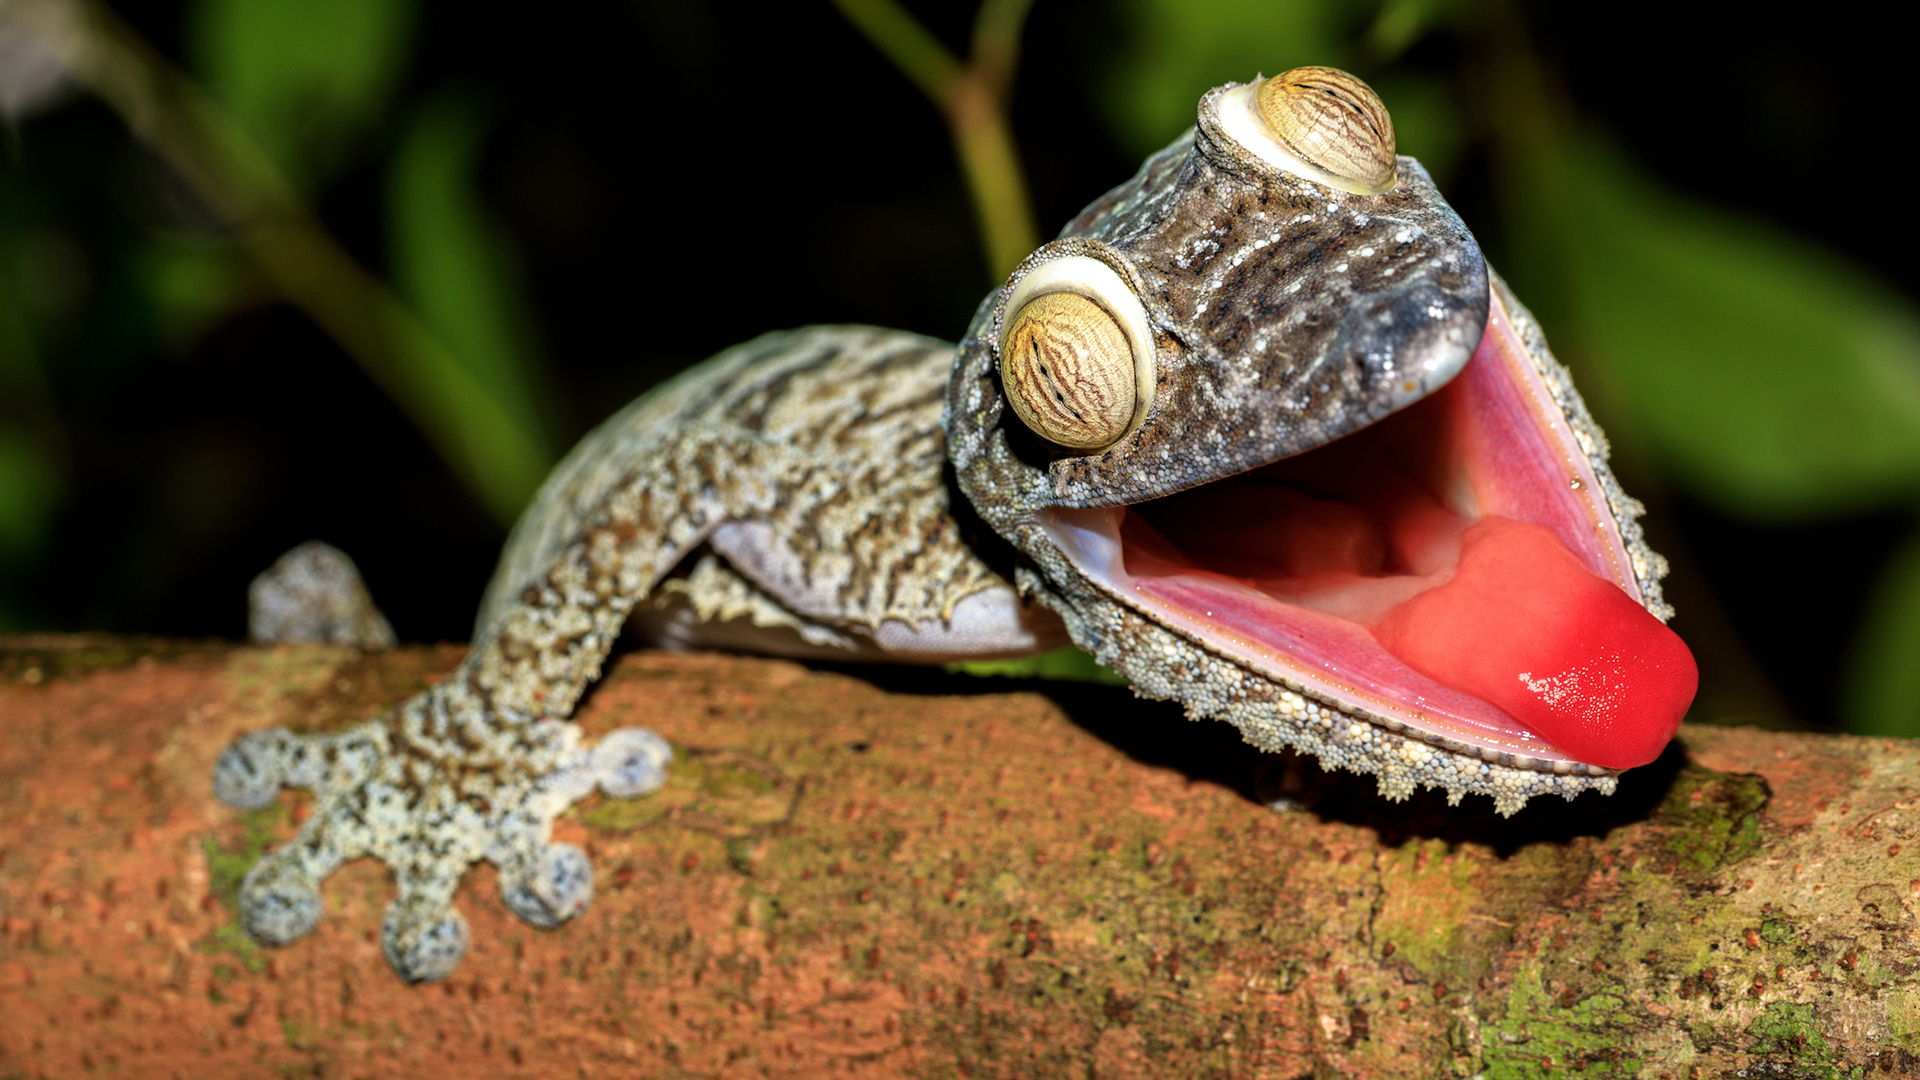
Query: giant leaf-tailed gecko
[1259, 430]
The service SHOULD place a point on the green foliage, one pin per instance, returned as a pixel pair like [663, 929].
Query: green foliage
[453, 266]
[1067, 663]
[311, 84]
[1175, 51]
[1883, 687]
[306, 80]
[1767, 375]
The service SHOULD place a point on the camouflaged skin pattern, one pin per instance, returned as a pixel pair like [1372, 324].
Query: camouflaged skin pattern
[810, 432]
[1286, 314]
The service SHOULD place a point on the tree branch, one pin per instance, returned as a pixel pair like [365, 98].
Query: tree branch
[1034, 880]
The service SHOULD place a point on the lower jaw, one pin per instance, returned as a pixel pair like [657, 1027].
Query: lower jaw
[1326, 657]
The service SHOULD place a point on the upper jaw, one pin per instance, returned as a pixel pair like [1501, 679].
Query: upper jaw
[1285, 313]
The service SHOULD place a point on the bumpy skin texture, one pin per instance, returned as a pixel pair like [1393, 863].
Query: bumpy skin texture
[802, 435]
[798, 495]
[314, 594]
[1286, 314]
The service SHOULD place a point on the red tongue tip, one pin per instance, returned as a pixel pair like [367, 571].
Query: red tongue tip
[1523, 625]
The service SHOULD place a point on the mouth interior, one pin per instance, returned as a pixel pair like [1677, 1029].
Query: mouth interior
[1450, 566]
[1351, 530]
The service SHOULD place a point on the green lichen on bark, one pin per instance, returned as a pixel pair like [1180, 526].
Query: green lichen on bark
[1788, 1038]
[1712, 820]
[229, 857]
[1539, 1036]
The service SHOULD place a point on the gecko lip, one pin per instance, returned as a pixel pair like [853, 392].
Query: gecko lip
[1230, 565]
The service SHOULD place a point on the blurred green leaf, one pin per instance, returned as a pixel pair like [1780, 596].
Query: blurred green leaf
[1067, 663]
[31, 480]
[1177, 50]
[1882, 691]
[1400, 23]
[29, 492]
[194, 283]
[1427, 122]
[305, 78]
[456, 271]
[1767, 374]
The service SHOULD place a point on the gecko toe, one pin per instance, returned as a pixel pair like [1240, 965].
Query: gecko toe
[279, 902]
[631, 762]
[250, 772]
[423, 938]
[555, 888]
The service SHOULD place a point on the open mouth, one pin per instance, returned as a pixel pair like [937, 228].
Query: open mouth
[1453, 570]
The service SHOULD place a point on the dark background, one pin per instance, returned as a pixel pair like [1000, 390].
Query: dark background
[678, 177]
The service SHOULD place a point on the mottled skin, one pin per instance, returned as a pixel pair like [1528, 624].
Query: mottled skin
[801, 494]
[772, 455]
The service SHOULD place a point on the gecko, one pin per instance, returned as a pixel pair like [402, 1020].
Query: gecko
[1260, 431]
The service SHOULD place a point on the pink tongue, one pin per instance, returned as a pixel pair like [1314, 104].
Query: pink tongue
[1523, 625]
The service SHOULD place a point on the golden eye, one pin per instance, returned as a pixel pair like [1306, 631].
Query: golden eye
[1076, 351]
[1068, 371]
[1333, 122]
[1318, 123]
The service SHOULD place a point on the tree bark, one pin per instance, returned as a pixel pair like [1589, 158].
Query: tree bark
[882, 872]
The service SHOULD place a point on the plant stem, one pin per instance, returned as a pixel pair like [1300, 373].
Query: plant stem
[972, 97]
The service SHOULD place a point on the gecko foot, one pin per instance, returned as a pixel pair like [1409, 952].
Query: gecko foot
[429, 801]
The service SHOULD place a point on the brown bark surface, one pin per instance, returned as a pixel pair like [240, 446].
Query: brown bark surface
[900, 873]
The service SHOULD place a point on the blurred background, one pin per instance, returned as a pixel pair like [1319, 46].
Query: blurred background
[360, 270]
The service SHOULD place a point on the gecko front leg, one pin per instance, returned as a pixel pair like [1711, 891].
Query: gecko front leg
[811, 461]
[480, 765]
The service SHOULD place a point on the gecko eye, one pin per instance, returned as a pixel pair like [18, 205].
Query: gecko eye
[1316, 122]
[1076, 355]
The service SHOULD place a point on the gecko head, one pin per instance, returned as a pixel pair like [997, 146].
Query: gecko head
[1266, 395]
[1265, 311]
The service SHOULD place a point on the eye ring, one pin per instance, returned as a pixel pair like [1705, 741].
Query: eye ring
[1076, 353]
[1318, 123]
